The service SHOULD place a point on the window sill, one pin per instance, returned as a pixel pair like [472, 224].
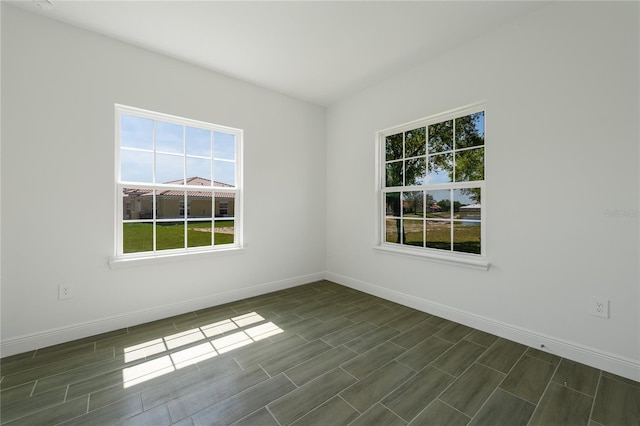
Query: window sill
[461, 260]
[134, 261]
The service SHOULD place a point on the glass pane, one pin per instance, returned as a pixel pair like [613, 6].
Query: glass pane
[415, 171]
[225, 205]
[224, 146]
[470, 130]
[170, 204]
[136, 166]
[439, 234]
[413, 232]
[394, 174]
[415, 143]
[137, 237]
[438, 203]
[470, 165]
[440, 168]
[393, 147]
[224, 232]
[199, 204]
[198, 142]
[393, 204]
[392, 230]
[224, 173]
[199, 233]
[413, 204]
[467, 204]
[169, 235]
[441, 137]
[466, 236]
[137, 204]
[169, 137]
[136, 132]
[169, 168]
[199, 167]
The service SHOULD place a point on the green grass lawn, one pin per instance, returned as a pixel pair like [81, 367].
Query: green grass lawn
[466, 237]
[138, 237]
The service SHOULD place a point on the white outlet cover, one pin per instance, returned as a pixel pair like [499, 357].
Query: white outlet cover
[600, 307]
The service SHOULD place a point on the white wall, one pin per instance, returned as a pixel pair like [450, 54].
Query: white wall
[561, 89]
[59, 86]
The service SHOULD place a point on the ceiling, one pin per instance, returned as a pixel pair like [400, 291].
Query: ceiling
[317, 51]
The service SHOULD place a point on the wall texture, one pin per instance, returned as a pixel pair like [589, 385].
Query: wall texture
[59, 86]
[561, 91]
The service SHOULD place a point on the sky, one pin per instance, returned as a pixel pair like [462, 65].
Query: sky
[179, 152]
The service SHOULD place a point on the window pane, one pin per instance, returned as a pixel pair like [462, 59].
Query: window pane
[224, 232]
[394, 174]
[170, 204]
[467, 204]
[413, 204]
[199, 204]
[136, 132]
[198, 167]
[415, 171]
[438, 203]
[225, 205]
[137, 204]
[136, 166]
[224, 146]
[224, 173]
[393, 204]
[439, 234]
[470, 130]
[415, 143]
[169, 235]
[466, 236]
[440, 168]
[393, 147]
[169, 168]
[198, 142]
[470, 165]
[137, 237]
[392, 228]
[413, 232]
[441, 137]
[169, 137]
[199, 233]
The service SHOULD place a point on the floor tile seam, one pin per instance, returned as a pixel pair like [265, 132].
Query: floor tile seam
[633, 385]
[349, 404]
[546, 389]
[593, 405]
[390, 409]
[451, 406]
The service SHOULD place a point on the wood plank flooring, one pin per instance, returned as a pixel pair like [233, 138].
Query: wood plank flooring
[317, 354]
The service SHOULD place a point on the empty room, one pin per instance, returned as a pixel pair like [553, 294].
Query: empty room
[320, 213]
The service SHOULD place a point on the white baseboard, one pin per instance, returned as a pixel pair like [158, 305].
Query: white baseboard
[612, 363]
[30, 342]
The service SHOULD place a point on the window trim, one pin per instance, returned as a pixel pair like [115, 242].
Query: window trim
[470, 260]
[120, 258]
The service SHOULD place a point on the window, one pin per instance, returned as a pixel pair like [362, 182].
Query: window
[432, 185]
[167, 163]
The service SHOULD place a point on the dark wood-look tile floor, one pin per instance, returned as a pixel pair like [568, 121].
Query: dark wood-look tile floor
[317, 354]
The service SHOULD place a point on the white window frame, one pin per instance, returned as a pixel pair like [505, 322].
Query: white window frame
[470, 260]
[120, 258]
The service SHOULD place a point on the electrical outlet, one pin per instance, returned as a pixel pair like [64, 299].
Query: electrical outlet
[64, 292]
[600, 307]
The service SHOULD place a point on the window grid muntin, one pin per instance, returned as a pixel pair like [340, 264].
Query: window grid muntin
[451, 186]
[212, 189]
